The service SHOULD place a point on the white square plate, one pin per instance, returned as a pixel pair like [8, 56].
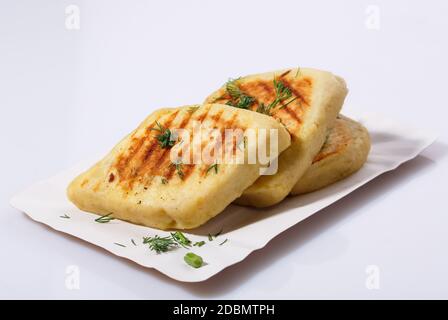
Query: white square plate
[246, 229]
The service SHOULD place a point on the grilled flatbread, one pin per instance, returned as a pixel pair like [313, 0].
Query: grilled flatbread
[345, 151]
[308, 102]
[138, 182]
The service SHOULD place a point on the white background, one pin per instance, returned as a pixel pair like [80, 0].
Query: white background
[64, 94]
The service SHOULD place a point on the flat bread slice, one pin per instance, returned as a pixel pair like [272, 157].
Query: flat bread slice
[306, 102]
[345, 151]
[138, 181]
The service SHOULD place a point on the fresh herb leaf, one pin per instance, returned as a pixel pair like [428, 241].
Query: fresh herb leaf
[181, 239]
[212, 167]
[238, 98]
[65, 216]
[282, 93]
[193, 260]
[105, 219]
[223, 242]
[244, 102]
[119, 244]
[159, 244]
[164, 138]
[210, 237]
[285, 104]
[232, 88]
[133, 242]
[199, 244]
[264, 109]
[179, 169]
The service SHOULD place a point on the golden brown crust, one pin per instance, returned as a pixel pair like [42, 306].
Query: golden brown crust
[137, 182]
[344, 152]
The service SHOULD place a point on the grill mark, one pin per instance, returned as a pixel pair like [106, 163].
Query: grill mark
[215, 119]
[171, 169]
[322, 156]
[127, 172]
[164, 158]
[301, 97]
[152, 166]
[267, 89]
[203, 115]
[227, 124]
[290, 113]
[188, 169]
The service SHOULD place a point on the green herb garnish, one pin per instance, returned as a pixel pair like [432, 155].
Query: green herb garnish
[210, 237]
[193, 260]
[212, 167]
[282, 93]
[238, 99]
[179, 169]
[181, 239]
[159, 244]
[164, 137]
[65, 216]
[105, 219]
[264, 109]
[119, 244]
[223, 242]
[199, 244]
[133, 242]
[218, 233]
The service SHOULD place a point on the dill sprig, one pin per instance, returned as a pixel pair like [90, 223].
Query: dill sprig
[164, 138]
[181, 239]
[105, 219]
[119, 244]
[264, 109]
[212, 167]
[179, 169]
[218, 233]
[238, 98]
[223, 242]
[160, 244]
[133, 242]
[199, 243]
[65, 216]
[282, 93]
